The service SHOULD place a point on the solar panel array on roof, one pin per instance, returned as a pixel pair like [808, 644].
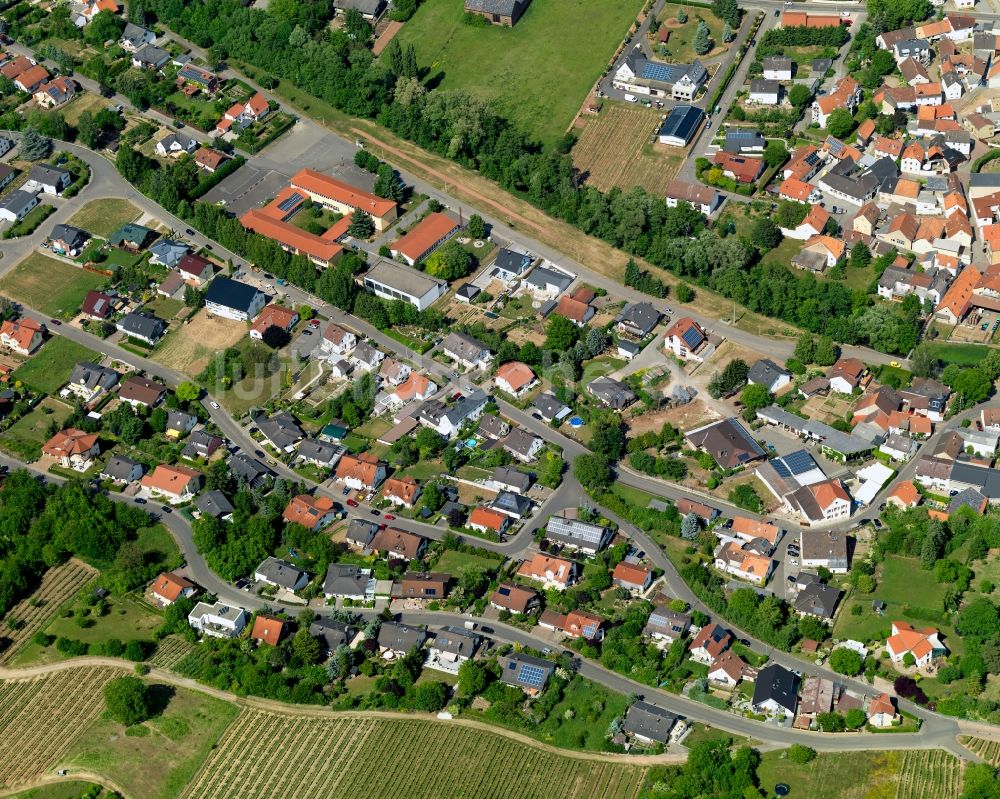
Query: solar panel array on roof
[290, 201]
[531, 675]
[799, 462]
[779, 466]
[503, 590]
[692, 337]
[668, 73]
[681, 122]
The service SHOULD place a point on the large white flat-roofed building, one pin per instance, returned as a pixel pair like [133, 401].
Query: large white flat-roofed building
[343, 197]
[395, 282]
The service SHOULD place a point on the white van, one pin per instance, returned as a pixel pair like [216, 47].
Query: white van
[630, 98]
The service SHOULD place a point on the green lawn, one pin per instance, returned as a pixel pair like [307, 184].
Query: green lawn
[159, 762]
[961, 354]
[901, 584]
[832, 775]
[680, 47]
[164, 307]
[104, 217]
[452, 562]
[59, 790]
[783, 253]
[50, 286]
[50, 367]
[538, 72]
[424, 470]
[26, 436]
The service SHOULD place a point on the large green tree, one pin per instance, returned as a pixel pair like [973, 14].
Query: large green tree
[127, 700]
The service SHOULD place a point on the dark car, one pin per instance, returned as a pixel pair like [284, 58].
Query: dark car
[745, 642]
[375, 512]
[55, 322]
[140, 501]
[877, 524]
[166, 509]
[259, 453]
[268, 276]
[189, 231]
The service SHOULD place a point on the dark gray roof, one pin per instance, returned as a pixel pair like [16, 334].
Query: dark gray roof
[764, 86]
[682, 122]
[969, 498]
[777, 684]
[213, 503]
[541, 277]
[742, 139]
[456, 641]
[640, 315]
[152, 55]
[280, 572]
[282, 429]
[315, 450]
[180, 421]
[525, 671]
[17, 201]
[649, 721]
[512, 477]
[144, 325]
[504, 8]
[332, 633]
[466, 347]
[777, 62]
[728, 442]
[346, 579]
[48, 174]
[818, 599]
[508, 501]
[231, 294]
[516, 263]
[547, 405]
[135, 34]
[93, 376]
[520, 441]
[168, 252]
[361, 530]
[249, 469]
[200, 445]
[400, 637]
[69, 234]
[612, 393]
[119, 467]
[821, 65]
[766, 371]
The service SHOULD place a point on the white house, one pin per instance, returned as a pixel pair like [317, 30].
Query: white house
[234, 300]
[764, 92]
[778, 68]
[218, 620]
[17, 206]
[337, 341]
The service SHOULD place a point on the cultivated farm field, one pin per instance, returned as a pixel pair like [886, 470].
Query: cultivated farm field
[58, 585]
[987, 750]
[929, 774]
[614, 151]
[265, 755]
[40, 718]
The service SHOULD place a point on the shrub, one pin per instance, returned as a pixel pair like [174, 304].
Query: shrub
[127, 700]
[800, 754]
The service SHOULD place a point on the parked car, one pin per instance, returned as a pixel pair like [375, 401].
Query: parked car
[353, 503]
[55, 322]
[259, 453]
[314, 323]
[214, 404]
[390, 517]
[140, 501]
[166, 509]
[375, 512]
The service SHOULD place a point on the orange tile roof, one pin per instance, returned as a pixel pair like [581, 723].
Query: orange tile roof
[828, 492]
[572, 309]
[274, 316]
[170, 586]
[932, 89]
[631, 573]
[882, 704]
[541, 563]
[68, 442]
[714, 646]
[746, 168]
[209, 158]
[393, 539]
[751, 528]
[307, 510]
[267, 629]
[681, 326]
[258, 104]
[909, 639]
[906, 493]
[833, 246]
[291, 236]
[363, 467]
[866, 129]
[424, 235]
[817, 218]
[16, 67]
[516, 374]
[577, 622]
[169, 479]
[345, 193]
[490, 519]
[20, 331]
[959, 294]
[891, 147]
[404, 488]
[415, 385]
[280, 208]
[795, 189]
[800, 19]
[32, 77]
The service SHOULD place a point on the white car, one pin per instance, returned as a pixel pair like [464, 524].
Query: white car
[845, 14]
[214, 405]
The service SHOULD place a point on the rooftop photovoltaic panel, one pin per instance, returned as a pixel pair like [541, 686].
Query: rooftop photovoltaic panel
[692, 337]
[290, 202]
[532, 675]
[662, 72]
[779, 466]
[799, 461]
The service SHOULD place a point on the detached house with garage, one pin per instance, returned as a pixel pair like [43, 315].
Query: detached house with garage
[313, 513]
[73, 448]
[923, 645]
[551, 572]
[362, 472]
[710, 642]
[174, 483]
[281, 574]
[687, 340]
[515, 378]
[169, 587]
[22, 336]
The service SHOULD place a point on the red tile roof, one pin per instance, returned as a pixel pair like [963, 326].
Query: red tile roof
[290, 236]
[325, 186]
[70, 441]
[307, 510]
[268, 630]
[424, 235]
[275, 316]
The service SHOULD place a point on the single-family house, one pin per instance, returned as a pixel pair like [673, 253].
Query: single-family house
[174, 483]
[313, 513]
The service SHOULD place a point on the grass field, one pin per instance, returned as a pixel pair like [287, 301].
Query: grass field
[538, 72]
[50, 286]
[901, 583]
[614, 150]
[84, 101]
[164, 307]
[269, 755]
[837, 775]
[42, 718]
[961, 354]
[679, 48]
[26, 436]
[59, 790]
[104, 217]
[189, 347]
[49, 369]
[452, 562]
[156, 764]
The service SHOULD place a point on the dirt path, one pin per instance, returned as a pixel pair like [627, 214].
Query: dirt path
[312, 711]
[77, 775]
